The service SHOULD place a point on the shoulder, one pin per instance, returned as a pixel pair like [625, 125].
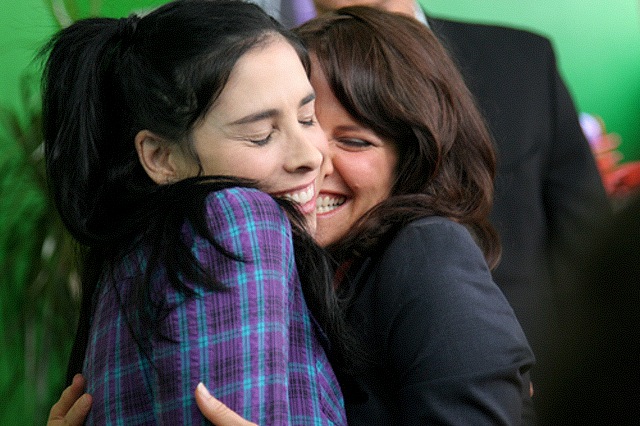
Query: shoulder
[240, 220]
[241, 206]
[242, 200]
[433, 234]
[497, 35]
[435, 225]
[435, 273]
[494, 47]
[432, 255]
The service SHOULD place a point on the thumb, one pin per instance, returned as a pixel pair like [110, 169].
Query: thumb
[215, 411]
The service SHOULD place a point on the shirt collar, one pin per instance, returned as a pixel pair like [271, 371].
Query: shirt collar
[420, 16]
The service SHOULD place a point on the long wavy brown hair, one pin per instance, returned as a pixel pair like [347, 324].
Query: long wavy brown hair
[393, 76]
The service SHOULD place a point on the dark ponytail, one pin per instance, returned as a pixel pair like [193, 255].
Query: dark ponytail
[80, 126]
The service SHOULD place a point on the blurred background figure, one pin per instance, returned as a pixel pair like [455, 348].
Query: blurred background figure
[597, 378]
[289, 12]
[621, 180]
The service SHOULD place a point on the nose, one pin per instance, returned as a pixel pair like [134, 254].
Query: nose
[325, 148]
[303, 154]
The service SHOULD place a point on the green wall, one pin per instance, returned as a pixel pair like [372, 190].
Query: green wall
[25, 25]
[597, 43]
[36, 307]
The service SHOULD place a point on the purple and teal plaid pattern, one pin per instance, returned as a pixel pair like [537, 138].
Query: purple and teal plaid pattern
[256, 346]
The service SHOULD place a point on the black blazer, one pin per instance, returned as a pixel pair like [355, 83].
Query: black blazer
[549, 197]
[443, 345]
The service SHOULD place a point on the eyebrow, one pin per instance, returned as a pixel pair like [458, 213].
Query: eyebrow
[353, 128]
[252, 118]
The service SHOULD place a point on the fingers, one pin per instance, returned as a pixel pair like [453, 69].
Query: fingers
[68, 398]
[215, 411]
[78, 412]
[72, 407]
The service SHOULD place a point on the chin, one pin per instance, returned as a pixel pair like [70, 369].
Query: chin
[312, 226]
[322, 239]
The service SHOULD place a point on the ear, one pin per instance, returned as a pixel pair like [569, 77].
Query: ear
[161, 159]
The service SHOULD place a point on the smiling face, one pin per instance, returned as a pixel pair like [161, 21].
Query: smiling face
[263, 127]
[364, 166]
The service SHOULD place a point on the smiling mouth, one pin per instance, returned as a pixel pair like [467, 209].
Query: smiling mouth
[301, 197]
[325, 203]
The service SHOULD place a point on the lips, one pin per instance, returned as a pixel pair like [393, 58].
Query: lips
[304, 198]
[327, 203]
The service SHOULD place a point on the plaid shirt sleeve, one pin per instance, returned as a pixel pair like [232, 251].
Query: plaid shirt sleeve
[237, 342]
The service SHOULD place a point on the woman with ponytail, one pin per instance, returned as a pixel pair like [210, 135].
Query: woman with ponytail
[161, 134]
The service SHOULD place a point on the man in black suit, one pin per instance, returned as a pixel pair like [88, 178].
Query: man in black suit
[549, 197]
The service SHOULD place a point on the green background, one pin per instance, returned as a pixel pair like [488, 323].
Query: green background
[597, 43]
[598, 48]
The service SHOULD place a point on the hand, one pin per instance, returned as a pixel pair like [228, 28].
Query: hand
[216, 412]
[72, 407]
[530, 389]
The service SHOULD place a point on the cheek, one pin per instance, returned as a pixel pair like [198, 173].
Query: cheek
[389, 180]
[345, 170]
[364, 172]
[214, 163]
[319, 139]
[373, 183]
[241, 163]
[388, 167]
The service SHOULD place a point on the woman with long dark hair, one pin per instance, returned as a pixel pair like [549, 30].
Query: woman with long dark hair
[405, 214]
[188, 271]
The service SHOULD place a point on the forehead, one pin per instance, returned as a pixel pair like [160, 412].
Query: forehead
[269, 76]
[264, 65]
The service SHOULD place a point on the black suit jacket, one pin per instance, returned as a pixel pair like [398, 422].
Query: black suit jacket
[443, 345]
[549, 197]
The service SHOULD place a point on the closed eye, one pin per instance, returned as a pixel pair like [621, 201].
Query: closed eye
[309, 123]
[262, 142]
[354, 143]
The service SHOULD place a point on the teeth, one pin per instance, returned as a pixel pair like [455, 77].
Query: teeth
[301, 197]
[325, 204]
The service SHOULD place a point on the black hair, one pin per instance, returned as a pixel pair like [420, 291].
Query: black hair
[107, 79]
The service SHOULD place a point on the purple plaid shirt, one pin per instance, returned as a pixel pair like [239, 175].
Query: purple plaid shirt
[256, 347]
